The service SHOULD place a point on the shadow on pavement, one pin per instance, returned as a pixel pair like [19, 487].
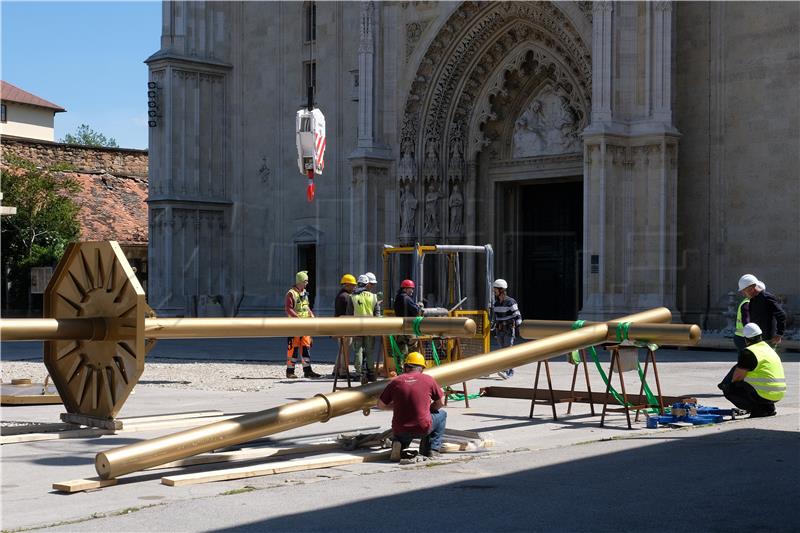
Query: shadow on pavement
[743, 480]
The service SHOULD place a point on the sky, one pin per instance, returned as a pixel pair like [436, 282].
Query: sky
[87, 57]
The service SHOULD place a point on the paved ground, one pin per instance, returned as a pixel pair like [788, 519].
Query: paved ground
[565, 475]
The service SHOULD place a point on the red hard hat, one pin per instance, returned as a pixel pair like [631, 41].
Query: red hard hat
[407, 283]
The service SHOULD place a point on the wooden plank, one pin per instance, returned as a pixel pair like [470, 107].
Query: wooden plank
[280, 467]
[180, 423]
[462, 433]
[78, 485]
[169, 416]
[248, 455]
[582, 396]
[69, 434]
[35, 427]
[91, 421]
[30, 399]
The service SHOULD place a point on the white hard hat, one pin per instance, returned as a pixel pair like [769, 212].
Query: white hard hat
[751, 330]
[749, 279]
[371, 277]
[500, 284]
[363, 279]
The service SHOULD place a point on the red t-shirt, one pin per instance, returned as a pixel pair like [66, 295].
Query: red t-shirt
[411, 396]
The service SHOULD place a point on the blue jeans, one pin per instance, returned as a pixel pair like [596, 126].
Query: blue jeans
[436, 434]
[505, 338]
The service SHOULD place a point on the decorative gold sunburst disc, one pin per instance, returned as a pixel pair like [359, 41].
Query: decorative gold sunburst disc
[95, 280]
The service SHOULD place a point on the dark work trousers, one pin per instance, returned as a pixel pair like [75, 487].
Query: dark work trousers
[436, 434]
[744, 396]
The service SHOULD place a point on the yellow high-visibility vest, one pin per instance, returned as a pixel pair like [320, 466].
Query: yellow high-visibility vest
[768, 378]
[301, 305]
[739, 326]
[364, 303]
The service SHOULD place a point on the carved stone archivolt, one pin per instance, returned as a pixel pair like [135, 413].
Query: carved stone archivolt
[451, 97]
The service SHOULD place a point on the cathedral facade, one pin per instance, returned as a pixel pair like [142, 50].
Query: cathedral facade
[617, 155]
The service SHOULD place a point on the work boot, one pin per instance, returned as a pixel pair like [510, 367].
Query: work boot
[371, 377]
[308, 373]
[290, 373]
[425, 446]
[397, 448]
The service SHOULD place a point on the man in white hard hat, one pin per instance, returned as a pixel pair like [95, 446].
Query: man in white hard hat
[764, 309]
[364, 304]
[506, 318]
[757, 381]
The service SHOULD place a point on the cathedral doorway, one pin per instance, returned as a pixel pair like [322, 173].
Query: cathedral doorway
[542, 239]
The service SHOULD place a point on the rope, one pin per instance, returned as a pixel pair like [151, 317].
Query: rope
[397, 355]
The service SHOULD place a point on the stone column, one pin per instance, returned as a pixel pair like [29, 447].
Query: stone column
[630, 164]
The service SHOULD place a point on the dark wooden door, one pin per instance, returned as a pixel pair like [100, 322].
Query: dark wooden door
[549, 238]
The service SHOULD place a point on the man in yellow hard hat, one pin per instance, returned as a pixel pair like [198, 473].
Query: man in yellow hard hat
[342, 307]
[757, 382]
[417, 402]
[296, 305]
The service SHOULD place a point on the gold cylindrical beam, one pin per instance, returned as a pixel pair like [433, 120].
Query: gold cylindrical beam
[646, 326]
[37, 329]
[666, 334]
[192, 328]
[320, 408]
[55, 329]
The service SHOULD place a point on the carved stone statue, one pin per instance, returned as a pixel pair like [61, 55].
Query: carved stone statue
[547, 127]
[408, 208]
[456, 204]
[431, 211]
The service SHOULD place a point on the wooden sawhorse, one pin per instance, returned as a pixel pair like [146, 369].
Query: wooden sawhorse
[625, 407]
[572, 398]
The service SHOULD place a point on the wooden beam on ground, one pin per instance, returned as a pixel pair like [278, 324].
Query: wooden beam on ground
[564, 395]
[68, 434]
[280, 467]
[177, 423]
[36, 427]
[78, 485]
[170, 416]
[28, 394]
[249, 455]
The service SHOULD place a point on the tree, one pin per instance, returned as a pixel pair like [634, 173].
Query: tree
[86, 136]
[46, 221]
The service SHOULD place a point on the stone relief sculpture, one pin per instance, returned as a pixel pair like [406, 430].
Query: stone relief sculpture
[431, 211]
[456, 204]
[408, 209]
[547, 127]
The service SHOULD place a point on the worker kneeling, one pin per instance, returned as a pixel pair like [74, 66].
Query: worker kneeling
[417, 401]
[757, 381]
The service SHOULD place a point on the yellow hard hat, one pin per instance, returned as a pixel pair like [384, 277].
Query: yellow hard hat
[348, 278]
[415, 358]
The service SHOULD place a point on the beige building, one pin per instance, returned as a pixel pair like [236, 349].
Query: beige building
[25, 115]
[617, 155]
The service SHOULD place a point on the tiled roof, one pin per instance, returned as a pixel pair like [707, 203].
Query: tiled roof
[12, 93]
[112, 207]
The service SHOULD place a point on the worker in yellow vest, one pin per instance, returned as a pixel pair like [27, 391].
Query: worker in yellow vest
[742, 318]
[365, 304]
[296, 305]
[757, 381]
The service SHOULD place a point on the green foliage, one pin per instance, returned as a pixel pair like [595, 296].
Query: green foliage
[46, 221]
[86, 136]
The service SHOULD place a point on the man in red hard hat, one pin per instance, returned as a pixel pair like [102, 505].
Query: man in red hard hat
[404, 305]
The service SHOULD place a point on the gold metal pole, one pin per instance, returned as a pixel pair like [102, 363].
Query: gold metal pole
[668, 334]
[42, 329]
[87, 329]
[193, 328]
[322, 407]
